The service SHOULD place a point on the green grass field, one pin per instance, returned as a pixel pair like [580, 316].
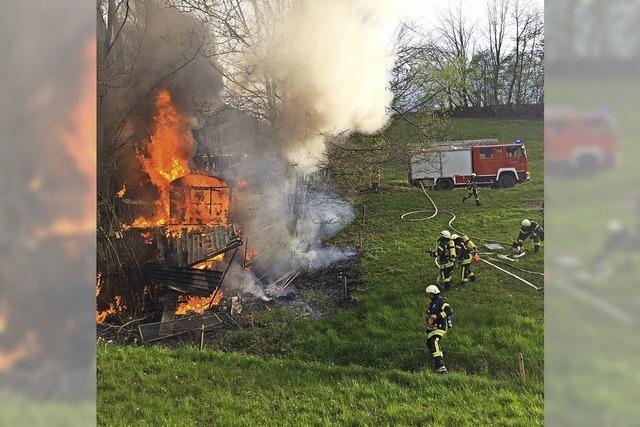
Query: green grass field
[158, 387]
[368, 364]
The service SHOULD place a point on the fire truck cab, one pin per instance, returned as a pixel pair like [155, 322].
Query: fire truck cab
[579, 142]
[452, 163]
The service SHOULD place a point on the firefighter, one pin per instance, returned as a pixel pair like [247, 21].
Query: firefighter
[445, 253]
[375, 180]
[528, 230]
[465, 251]
[439, 320]
[472, 190]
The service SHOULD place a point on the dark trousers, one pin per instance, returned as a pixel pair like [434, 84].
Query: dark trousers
[467, 273]
[433, 344]
[445, 274]
[474, 193]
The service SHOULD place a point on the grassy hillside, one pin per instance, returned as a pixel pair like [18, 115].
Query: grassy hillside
[157, 387]
[495, 318]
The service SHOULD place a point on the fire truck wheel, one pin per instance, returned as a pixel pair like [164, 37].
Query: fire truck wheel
[506, 180]
[444, 184]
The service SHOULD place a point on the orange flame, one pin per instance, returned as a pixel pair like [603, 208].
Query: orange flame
[120, 194]
[198, 304]
[168, 152]
[114, 307]
[209, 263]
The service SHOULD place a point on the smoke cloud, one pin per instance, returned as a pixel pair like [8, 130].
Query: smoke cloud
[329, 63]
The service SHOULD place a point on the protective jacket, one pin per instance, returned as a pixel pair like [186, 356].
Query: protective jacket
[446, 252]
[532, 231]
[443, 312]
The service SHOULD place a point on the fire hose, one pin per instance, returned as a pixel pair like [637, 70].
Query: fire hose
[453, 218]
[435, 209]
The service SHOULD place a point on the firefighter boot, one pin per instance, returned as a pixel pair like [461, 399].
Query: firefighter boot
[536, 249]
[441, 369]
[477, 202]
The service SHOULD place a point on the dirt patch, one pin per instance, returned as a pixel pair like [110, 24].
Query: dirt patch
[533, 204]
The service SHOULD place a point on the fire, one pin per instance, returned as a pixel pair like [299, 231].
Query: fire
[208, 264]
[114, 307]
[166, 156]
[199, 304]
[120, 194]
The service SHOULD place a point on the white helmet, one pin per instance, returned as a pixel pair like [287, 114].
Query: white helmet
[446, 234]
[473, 175]
[525, 223]
[454, 236]
[432, 289]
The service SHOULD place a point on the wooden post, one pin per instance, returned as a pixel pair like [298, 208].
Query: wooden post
[521, 369]
[201, 336]
[246, 245]
[364, 213]
[345, 287]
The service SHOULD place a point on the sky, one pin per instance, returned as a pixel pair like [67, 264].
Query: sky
[476, 9]
[426, 12]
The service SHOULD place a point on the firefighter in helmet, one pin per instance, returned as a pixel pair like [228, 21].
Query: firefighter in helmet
[445, 254]
[528, 230]
[466, 250]
[472, 190]
[439, 320]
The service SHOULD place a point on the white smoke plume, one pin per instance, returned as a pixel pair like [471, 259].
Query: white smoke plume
[330, 61]
[327, 67]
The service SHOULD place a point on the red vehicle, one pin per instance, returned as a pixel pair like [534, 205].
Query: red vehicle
[583, 143]
[452, 163]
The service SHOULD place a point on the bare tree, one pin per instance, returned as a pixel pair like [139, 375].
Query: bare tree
[523, 18]
[458, 47]
[497, 16]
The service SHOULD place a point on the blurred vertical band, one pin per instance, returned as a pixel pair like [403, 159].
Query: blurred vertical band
[47, 212]
[592, 198]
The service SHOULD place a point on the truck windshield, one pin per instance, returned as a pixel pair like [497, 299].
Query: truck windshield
[515, 151]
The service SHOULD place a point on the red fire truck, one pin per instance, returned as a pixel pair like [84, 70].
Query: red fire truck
[452, 163]
[579, 142]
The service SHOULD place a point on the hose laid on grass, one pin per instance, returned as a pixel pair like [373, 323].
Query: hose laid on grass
[453, 218]
[512, 274]
[435, 209]
[516, 268]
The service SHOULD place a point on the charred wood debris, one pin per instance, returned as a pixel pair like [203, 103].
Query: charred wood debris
[300, 294]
